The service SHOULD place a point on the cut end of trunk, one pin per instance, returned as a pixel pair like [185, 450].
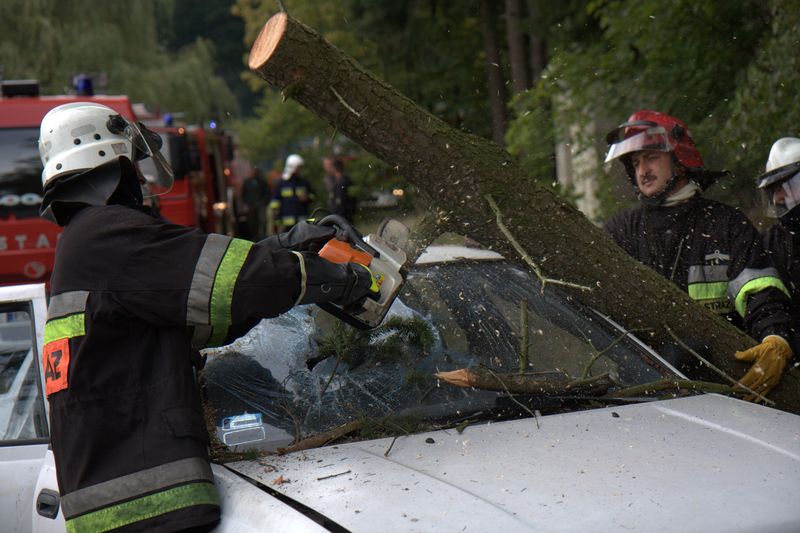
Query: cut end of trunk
[460, 378]
[267, 41]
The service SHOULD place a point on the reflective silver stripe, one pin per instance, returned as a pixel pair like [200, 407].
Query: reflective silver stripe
[198, 304]
[747, 275]
[303, 277]
[707, 273]
[67, 303]
[137, 484]
[717, 256]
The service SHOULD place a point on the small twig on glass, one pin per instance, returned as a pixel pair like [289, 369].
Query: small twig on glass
[716, 369]
[524, 341]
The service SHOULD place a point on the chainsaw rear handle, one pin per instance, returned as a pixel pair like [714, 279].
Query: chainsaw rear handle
[355, 238]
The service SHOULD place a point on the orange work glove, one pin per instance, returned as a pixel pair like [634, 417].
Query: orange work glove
[769, 360]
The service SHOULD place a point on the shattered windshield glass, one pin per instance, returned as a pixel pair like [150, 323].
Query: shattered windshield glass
[304, 373]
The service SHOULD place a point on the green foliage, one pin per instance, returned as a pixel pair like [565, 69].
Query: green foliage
[52, 41]
[764, 105]
[531, 135]
[389, 341]
[276, 126]
[428, 51]
[370, 173]
[727, 68]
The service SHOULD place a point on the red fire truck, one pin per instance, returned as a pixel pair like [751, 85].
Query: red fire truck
[201, 159]
[200, 197]
[27, 242]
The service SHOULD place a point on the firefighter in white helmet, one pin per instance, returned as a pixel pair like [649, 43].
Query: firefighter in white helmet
[780, 187]
[292, 195]
[133, 298]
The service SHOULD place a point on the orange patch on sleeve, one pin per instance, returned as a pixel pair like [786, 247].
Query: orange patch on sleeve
[56, 366]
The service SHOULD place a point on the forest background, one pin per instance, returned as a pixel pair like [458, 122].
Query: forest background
[545, 79]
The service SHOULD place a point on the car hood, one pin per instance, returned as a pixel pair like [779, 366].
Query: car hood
[705, 463]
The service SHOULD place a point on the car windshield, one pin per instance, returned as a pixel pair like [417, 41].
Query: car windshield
[20, 172]
[305, 373]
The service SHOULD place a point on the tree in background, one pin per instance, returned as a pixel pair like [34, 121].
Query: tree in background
[550, 78]
[430, 50]
[726, 68]
[123, 41]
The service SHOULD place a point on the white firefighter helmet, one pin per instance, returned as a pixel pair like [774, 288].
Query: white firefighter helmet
[780, 183]
[79, 136]
[293, 162]
[74, 137]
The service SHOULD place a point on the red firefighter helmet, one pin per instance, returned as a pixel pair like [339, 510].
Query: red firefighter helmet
[653, 130]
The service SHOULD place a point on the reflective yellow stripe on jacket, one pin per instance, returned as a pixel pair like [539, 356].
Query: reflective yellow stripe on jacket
[140, 496]
[751, 281]
[211, 293]
[708, 286]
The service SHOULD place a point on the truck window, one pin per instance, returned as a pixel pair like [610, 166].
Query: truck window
[22, 413]
[20, 172]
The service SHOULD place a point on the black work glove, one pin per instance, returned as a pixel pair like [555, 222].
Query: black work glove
[346, 285]
[303, 237]
[364, 286]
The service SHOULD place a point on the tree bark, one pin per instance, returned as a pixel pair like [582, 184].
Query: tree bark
[538, 51]
[494, 73]
[457, 171]
[520, 79]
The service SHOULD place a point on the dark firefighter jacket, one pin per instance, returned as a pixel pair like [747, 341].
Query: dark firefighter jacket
[291, 199]
[782, 242]
[714, 253]
[341, 201]
[131, 296]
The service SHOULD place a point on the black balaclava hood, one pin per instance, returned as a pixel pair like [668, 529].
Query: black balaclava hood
[114, 182]
[791, 220]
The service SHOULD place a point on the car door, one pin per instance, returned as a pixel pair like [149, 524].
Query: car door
[24, 435]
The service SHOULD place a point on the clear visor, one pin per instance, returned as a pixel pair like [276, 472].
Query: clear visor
[654, 138]
[147, 144]
[780, 198]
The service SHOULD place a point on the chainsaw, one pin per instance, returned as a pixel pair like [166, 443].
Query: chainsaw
[385, 260]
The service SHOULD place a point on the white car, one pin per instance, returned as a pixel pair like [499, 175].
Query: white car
[424, 455]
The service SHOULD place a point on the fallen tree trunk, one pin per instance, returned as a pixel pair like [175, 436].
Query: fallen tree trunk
[457, 172]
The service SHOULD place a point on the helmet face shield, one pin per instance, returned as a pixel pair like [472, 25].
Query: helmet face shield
[653, 138]
[780, 197]
[146, 143]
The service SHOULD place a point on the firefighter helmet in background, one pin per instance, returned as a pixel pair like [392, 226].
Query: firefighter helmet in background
[79, 136]
[293, 162]
[782, 175]
[653, 130]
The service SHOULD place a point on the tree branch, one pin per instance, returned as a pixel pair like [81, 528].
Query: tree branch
[524, 255]
[323, 438]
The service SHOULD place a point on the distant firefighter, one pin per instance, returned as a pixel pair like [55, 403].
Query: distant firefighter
[292, 196]
[340, 198]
